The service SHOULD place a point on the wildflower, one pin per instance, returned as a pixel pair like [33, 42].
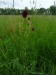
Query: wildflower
[24, 13]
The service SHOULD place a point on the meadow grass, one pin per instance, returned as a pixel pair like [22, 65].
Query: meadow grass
[27, 52]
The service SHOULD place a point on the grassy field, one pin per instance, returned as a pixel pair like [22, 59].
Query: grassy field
[24, 51]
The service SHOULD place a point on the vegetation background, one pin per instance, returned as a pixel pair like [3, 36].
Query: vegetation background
[24, 51]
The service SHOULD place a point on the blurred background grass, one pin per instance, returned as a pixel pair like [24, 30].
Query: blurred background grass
[27, 52]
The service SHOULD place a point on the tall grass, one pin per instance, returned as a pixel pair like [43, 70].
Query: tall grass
[27, 52]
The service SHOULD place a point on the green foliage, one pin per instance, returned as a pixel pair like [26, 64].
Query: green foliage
[9, 11]
[53, 10]
[41, 11]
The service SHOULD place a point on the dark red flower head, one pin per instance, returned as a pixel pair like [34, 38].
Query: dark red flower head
[24, 13]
